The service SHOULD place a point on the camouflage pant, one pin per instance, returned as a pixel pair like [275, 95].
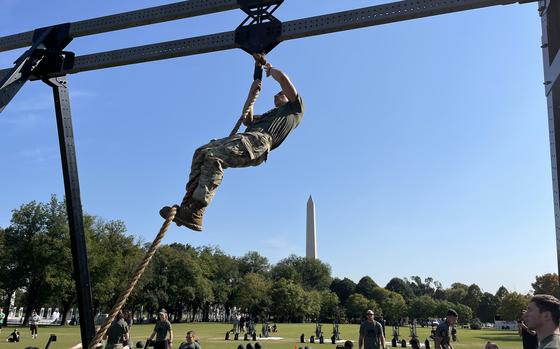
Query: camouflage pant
[210, 160]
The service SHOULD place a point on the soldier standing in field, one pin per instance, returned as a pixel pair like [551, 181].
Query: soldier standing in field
[442, 336]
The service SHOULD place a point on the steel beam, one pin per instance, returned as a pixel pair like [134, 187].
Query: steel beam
[164, 50]
[359, 18]
[158, 14]
[73, 206]
[380, 14]
[550, 23]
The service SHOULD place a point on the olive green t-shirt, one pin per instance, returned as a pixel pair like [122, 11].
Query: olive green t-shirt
[279, 122]
[550, 342]
[161, 329]
[371, 331]
[116, 331]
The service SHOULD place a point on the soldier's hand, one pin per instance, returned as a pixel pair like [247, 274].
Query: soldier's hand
[260, 58]
[268, 68]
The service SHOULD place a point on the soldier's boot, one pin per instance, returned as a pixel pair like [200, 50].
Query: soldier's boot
[189, 214]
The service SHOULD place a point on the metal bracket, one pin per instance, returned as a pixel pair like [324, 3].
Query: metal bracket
[43, 57]
[260, 31]
[49, 48]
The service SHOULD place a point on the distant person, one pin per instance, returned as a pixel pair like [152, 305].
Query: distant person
[528, 337]
[128, 318]
[543, 316]
[371, 333]
[191, 342]
[161, 331]
[14, 336]
[2, 316]
[117, 334]
[34, 324]
[442, 336]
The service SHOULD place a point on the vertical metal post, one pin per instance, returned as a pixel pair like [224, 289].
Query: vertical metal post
[73, 206]
[550, 20]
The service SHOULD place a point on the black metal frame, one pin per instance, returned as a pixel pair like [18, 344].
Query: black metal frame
[550, 18]
[45, 57]
[73, 205]
[259, 32]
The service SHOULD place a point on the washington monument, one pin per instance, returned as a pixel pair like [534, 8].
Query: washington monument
[311, 240]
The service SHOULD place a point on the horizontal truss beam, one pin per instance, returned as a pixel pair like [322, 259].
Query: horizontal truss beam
[152, 15]
[335, 22]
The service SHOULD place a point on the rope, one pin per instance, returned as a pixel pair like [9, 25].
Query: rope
[261, 60]
[245, 112]
[134, 279]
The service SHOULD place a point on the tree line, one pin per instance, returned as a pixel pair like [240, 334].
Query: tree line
[36, 267]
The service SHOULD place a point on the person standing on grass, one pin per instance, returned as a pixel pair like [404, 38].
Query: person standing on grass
[371, 333]
[161, 330]
[442, 336]
[34, 324]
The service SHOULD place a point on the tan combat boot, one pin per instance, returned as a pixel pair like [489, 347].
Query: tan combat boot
[189, 214]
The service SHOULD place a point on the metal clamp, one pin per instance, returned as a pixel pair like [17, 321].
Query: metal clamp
[260, 31]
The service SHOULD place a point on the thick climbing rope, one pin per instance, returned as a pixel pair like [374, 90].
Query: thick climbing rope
[254, 97]
[133, 280]
[260, 61]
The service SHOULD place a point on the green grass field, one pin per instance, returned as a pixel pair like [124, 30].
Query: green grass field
[211, 336]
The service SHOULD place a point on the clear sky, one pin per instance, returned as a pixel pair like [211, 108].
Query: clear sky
[424, 144]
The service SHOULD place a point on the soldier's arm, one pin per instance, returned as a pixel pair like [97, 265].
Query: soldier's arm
[288, 88]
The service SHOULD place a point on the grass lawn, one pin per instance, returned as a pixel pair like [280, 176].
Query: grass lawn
[211, 336]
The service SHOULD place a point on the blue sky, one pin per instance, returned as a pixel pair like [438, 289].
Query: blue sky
[424, 143]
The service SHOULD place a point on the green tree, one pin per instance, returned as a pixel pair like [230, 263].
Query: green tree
[512, 305]
[311, 306]
[357, 306]
[379, 294]
[422, 307]
[365, 287]
[288, 300]
[502, 292]
[394, 307]
[253, 294]
[108, 251]
[419, 287]
[488, 307]
[441, 308]
[401, 287]
[473, 297]
[343, 288]
[465, 313]
[311, 274]
[330, 306]
[32, 250]
[253, 262]
[547, 284]
[456, 293]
